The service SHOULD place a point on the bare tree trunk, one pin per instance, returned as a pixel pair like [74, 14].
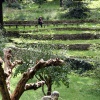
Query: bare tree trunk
[3, 86]
[1, 14]
[8, 65]
[61, 3]
[49, 85]
[30, 74]
[43, 90]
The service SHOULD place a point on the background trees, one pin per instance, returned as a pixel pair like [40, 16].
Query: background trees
[76, 8]
[61, 3]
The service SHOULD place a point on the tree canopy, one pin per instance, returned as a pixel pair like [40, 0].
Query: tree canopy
[77, 8]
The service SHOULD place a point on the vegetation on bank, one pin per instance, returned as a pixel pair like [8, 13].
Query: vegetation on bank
[50, 10]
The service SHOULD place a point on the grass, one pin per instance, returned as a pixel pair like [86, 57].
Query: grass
[80, 88]
[94, 4]
[86, 53]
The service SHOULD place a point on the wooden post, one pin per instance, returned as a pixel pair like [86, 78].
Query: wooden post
[1, 14]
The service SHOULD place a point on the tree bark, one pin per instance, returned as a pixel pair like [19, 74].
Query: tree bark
[3, 87]
[8, 65]
[61, 3]
[30, 74]
[34, 86]
[49, 85]
[1, 14]
[5, 75]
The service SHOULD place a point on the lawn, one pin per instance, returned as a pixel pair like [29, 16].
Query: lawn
[80, 88]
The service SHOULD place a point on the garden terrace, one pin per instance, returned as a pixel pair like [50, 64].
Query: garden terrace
[46, 23]
[77, 28]
[57, 44]
[62, 46]
[82, 36]
[53, 22]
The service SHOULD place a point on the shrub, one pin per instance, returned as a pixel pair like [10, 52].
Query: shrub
[77, 9]
[3, 40]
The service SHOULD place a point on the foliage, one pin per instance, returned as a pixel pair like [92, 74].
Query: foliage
[77, 8]
[3, 40]
[58, 74]
[40, 2]
[79, 66]
[31, 56]
[13, 4]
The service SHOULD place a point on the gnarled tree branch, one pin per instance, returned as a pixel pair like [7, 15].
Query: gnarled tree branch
[34, 86]
[3, 86]
[8, 65]
[20, 88]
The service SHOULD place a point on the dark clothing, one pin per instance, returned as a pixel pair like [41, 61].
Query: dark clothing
[40, 22]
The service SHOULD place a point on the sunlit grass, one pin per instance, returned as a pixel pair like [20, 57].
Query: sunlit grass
[21, 40]
[80, 88]
[86, 53]
[94, 4]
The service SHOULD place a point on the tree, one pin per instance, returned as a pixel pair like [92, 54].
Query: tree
[50, 75]
[61, 3]
[77, 8]
[53, 75]
[2, 42]
[22, 86]
[1, 14]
